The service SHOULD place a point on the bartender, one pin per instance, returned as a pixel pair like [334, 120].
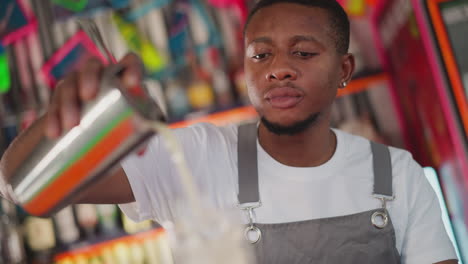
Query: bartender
[312, 194]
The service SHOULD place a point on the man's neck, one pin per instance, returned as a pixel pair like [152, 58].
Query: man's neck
[310, 148]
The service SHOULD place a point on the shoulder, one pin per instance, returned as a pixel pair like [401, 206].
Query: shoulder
[403, 163]
[357, 146]
[409, 180]
[406, 172]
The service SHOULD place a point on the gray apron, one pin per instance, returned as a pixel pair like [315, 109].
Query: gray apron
[366, 237]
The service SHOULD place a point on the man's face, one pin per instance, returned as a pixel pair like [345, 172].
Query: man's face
[291, 64]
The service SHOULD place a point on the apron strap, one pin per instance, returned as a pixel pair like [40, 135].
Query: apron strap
[382, 166]
[247, 163]
[248, 170]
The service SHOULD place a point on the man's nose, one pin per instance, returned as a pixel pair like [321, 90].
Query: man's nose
[281, 72]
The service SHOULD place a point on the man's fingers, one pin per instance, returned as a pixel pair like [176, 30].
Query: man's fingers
[82, 86]
[133, 70]
[69, 103]
[131, 60]
[53, 128]
[52, 124]
[88, 79]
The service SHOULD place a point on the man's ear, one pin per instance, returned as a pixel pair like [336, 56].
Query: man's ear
[347, 67]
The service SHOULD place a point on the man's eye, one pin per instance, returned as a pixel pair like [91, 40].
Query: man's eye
[260, 56]
[304, 54]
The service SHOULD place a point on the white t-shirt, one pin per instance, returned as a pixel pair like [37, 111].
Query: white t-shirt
[341, 186]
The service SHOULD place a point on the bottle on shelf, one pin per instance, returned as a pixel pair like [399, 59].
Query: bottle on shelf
[86, 215]
[200, 92]
[40, 238]
[213, 62]
[108, 218]
[177, 99]
[11, 238]
[67, 230]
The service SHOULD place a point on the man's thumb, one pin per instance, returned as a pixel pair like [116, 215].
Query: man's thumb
[133, 72]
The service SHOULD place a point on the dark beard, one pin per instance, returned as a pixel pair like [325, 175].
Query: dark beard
[292, 129]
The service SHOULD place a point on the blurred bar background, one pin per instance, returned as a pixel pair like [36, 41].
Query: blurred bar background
[409, 90]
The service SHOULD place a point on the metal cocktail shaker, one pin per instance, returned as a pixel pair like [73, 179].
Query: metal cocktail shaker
[111, 127]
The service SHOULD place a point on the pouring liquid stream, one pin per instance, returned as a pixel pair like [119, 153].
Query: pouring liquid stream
[204, 235]
[177, 155]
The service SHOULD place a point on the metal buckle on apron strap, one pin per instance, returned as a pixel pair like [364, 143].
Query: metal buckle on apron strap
[252, 233]
[382, 215]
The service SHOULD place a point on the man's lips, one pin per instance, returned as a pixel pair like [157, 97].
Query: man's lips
[284, 97]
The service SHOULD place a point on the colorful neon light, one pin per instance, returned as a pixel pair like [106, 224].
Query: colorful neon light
[73, 5]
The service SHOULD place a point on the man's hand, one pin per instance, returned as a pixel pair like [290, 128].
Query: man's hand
[81, 86]
[63, 114]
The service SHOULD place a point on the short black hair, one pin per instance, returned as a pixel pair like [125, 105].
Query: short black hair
[339, 21]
